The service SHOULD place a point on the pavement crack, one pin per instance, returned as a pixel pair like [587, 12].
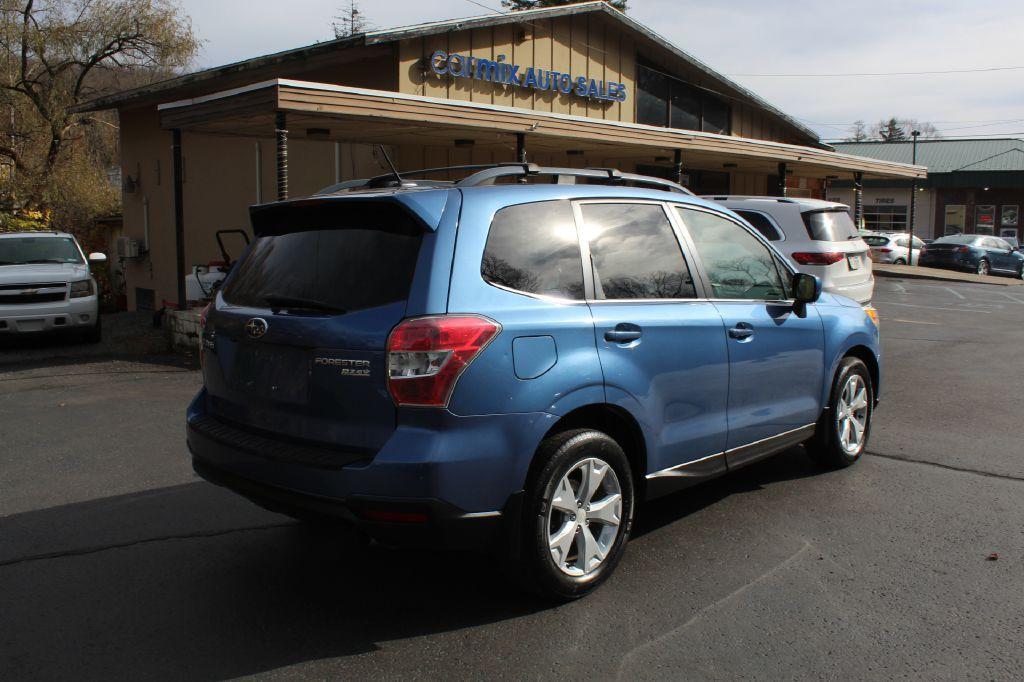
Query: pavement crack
[948, 467]
[135, 543]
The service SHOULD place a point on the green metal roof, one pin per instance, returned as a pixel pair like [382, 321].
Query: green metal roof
[946, 156]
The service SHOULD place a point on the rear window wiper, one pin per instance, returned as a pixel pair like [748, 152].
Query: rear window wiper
[278, 302]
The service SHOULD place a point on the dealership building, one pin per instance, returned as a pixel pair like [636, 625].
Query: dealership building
[973, 185]
[573, 86]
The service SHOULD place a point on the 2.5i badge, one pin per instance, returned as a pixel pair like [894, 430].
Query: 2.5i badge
[354, 368]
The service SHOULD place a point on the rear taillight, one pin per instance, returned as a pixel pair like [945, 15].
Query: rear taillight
[809, 258]
[882, 250]
[426, 355]
[963, 249]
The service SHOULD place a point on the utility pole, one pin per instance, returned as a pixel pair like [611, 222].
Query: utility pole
[913, 197]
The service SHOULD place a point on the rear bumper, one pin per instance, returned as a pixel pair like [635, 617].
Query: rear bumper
[440, 480]
[76, 313]
[860, 292]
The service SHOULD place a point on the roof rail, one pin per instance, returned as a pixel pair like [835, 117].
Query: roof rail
[611, 176]
[487, 173]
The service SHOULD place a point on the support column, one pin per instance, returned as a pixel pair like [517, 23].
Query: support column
[858, 199]
[677, 166]
[179, 215]
[281, 132]
[521, 154]
[780, 187]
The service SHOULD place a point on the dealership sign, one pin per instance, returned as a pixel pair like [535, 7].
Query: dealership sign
[544, 80]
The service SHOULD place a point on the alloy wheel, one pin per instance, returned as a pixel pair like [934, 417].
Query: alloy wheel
[983, 267]
[584, 517]
[852, 414]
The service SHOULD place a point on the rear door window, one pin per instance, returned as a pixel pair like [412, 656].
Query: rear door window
[762, 224]
[534, 248]
[833, 225]
[635, 253]
[737, 264]
[331, 257]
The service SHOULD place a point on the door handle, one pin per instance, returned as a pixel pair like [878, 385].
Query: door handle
[623, 333]
[742, 331]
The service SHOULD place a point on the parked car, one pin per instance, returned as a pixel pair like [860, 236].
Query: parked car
[983, 254]
[517, 366]
[818, 236]
[45, 285]
[892, 247]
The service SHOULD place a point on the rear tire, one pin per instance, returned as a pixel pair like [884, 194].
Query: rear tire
[566, 554]
[983, 267]
[845, 425]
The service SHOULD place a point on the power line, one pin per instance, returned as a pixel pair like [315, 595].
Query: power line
[879, 73]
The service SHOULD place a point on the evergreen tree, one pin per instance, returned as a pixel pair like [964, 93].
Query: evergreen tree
[892, 131]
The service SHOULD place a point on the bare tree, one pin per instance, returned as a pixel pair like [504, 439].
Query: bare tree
[350, 22]
[858, 132]
[60, 53]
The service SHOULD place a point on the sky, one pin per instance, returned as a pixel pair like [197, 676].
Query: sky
[749, 40]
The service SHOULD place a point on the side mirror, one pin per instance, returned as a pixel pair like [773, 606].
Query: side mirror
[806, 288]
[97, 257]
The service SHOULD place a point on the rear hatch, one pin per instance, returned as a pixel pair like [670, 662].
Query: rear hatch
[845, 255]
[295, 347]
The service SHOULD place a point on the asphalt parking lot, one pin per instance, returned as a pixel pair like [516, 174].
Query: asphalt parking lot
[116, 562]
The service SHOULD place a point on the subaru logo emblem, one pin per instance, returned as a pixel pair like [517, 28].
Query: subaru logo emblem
[256, 327]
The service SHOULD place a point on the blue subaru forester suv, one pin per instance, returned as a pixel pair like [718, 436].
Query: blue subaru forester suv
[516, 360]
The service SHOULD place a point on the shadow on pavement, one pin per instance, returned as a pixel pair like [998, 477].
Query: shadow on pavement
[191, 581]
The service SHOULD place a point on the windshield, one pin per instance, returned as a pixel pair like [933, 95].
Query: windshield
[956, 239]
[831, 225]
[49, 249]
[351, 261]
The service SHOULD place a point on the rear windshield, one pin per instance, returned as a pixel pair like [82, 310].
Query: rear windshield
[875, 240]
[956, 239]
[26, 250]
[830, 225]
[331, 258]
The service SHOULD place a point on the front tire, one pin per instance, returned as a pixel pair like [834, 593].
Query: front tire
[843, 429]
[900, 261]
[578, 514]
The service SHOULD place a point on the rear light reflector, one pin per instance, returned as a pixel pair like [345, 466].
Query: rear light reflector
[426, 355]
[815, 258]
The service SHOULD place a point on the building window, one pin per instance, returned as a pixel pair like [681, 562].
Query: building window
[669, 102]
[956, 216]
[985, 219]
[885, 218]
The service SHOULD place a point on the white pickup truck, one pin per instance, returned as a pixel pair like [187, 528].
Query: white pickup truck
[45, 285]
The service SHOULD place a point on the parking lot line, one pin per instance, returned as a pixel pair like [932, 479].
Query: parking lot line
[932, 307]
[896, 319]
[954, 292]
[1011, 297]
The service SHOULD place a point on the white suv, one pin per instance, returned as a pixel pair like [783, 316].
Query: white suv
[818, 236]
[45, 285]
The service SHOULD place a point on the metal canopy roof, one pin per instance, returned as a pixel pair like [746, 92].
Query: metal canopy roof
[344, 113]
[947, 156]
